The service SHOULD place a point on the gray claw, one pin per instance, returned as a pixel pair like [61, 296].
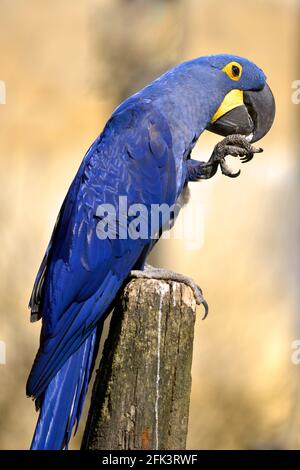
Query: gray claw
[235, 145]
[163, 274]
[206, 309]
[247, 158]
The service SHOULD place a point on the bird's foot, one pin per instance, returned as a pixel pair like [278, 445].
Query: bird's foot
[151, 272]
[236, 146]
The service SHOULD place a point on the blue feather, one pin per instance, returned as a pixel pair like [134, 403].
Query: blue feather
[63, 399]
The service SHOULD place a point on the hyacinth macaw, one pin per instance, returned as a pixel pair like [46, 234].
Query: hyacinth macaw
[144, 152]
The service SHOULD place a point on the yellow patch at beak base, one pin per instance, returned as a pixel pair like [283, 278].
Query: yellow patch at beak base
[232, 100]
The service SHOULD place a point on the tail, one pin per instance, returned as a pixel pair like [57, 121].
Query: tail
[63, 399]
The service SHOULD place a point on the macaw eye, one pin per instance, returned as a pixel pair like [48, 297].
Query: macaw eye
[233, 70]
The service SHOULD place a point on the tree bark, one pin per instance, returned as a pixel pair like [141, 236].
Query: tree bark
[141, 394]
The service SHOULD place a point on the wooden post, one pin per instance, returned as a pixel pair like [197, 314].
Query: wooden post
[141, 394]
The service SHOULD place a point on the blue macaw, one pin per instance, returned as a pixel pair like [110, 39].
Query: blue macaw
[143, 153]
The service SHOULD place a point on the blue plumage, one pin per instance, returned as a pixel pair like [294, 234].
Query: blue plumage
[140, 154]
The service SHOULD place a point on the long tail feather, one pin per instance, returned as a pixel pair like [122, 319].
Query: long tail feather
[63, 399]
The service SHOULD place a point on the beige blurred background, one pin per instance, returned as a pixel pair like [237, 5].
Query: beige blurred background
[66, 65]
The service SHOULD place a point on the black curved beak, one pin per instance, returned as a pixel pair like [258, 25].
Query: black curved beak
[254, 118]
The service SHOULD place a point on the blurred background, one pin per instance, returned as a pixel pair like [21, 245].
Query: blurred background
[66, 65]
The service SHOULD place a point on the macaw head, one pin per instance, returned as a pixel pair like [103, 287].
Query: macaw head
[248, 107]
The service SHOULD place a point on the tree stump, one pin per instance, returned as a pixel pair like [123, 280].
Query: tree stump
[141, 394]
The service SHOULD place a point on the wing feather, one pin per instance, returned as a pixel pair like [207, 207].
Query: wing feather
[80, 274]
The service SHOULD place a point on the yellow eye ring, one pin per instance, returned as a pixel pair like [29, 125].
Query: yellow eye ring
[233, 70]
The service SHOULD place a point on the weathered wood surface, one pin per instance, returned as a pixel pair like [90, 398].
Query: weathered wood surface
[141, 394]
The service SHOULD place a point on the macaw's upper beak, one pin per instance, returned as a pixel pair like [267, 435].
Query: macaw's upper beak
[250, 113]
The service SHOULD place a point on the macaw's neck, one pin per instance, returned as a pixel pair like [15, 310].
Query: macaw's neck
[188, 96]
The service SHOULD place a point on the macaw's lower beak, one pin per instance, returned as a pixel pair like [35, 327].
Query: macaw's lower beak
[250, 113]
